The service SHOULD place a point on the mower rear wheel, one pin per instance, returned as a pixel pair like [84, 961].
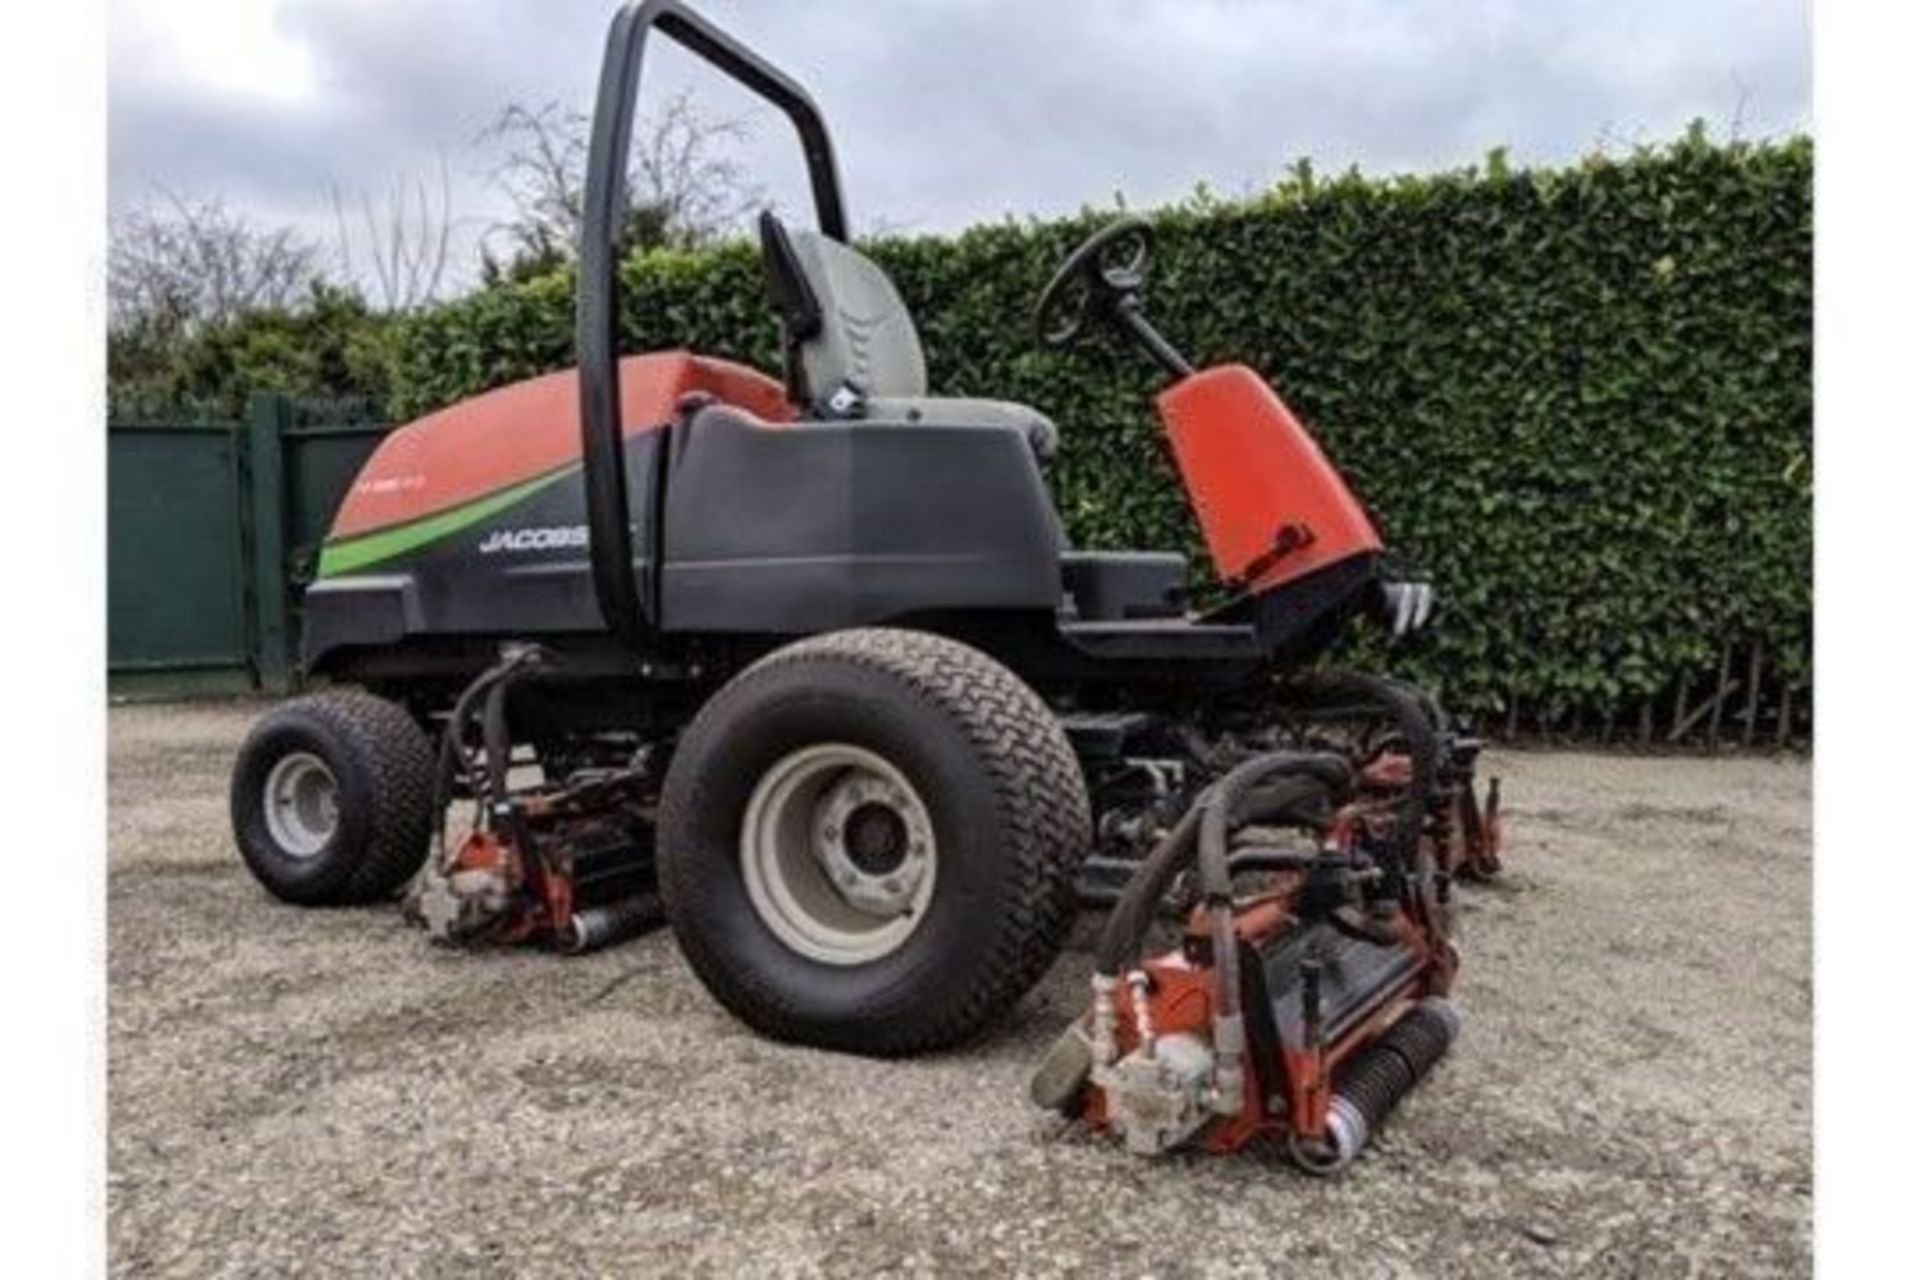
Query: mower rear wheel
[869, 841]
[331, 799]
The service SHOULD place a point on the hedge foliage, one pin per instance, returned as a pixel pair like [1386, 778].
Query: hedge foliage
[331, 346]
[1580, 399]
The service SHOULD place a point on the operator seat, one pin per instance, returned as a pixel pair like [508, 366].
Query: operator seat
[851, 348]
[852, 352]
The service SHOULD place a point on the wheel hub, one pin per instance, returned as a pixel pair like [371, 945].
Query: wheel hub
[301, 802]
[838, 853]
[876, 839]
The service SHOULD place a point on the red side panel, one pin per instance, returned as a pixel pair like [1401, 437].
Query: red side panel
[514, 433]
[1252, 471]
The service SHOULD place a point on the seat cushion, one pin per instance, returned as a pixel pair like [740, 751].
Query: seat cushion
[965, 411]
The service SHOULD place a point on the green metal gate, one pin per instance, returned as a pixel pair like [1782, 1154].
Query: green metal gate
[212, 529]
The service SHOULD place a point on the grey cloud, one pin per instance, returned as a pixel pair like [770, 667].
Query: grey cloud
[948, 113]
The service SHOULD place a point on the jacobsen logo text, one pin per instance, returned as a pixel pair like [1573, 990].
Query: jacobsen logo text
[550, 539]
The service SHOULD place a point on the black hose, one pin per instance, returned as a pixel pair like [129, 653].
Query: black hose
[453, 755]
[1221, 804]
[453, 759]
[1411, 714]
[1217, 807]
[496, 739]
[1293, 801]
[1314, 778]
[1133, 911]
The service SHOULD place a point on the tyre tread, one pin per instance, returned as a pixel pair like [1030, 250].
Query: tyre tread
[396, 757]
[1043, 809]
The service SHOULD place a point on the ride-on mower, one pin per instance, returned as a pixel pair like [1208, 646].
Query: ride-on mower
[808, 667]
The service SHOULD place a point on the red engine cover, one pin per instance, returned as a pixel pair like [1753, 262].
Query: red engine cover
[1252, 472]
[513, 433]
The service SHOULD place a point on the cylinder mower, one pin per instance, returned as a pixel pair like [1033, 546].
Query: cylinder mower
[1307, 993]
[807, 665]
[569, 863]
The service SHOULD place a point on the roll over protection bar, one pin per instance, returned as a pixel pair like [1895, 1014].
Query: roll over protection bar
[597, 297]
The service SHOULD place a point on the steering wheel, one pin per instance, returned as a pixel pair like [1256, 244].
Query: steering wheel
[1105, 272]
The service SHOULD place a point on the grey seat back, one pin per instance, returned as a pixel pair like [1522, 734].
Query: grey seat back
[851, 348]
[866, 339]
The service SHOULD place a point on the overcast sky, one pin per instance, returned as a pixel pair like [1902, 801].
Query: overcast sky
[944, 112]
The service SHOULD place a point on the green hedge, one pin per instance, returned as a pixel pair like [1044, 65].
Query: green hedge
[332, 345]
[1581, 399]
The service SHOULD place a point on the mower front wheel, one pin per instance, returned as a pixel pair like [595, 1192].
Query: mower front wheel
[331, 799]
[869, 841]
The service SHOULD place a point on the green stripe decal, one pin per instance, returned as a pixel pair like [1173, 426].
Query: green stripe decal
[366, 549]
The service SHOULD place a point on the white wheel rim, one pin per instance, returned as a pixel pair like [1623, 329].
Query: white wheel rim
[838, 853]
[302, 804]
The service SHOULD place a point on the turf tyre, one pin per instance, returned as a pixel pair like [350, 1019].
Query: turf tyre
[382, 765]
[1010, 817]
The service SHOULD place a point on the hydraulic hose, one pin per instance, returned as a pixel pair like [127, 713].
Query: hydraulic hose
[1299, 791]
[1202, 832]
[1133, 911]
[485, 694]
[1414, 717]
[1217, 807]
[453, 760]
[498, 740]
[1225, 805]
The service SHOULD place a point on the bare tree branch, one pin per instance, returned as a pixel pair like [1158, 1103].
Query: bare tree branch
[684, 187]
[408, 239]
[682, 169]
[185, 265]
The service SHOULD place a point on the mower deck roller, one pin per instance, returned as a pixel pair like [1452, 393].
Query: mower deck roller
[1371, 1085]
[803, 663]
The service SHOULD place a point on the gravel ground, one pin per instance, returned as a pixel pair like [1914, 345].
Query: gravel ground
[322, 1092]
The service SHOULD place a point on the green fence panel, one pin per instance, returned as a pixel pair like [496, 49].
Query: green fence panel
[213, 530]
[176, 593]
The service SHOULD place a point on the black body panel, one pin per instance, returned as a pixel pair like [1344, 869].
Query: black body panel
[794, 529]
[1299, 619]
[1109, 585]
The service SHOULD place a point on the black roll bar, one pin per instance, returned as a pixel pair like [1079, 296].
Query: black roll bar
[597, 297]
